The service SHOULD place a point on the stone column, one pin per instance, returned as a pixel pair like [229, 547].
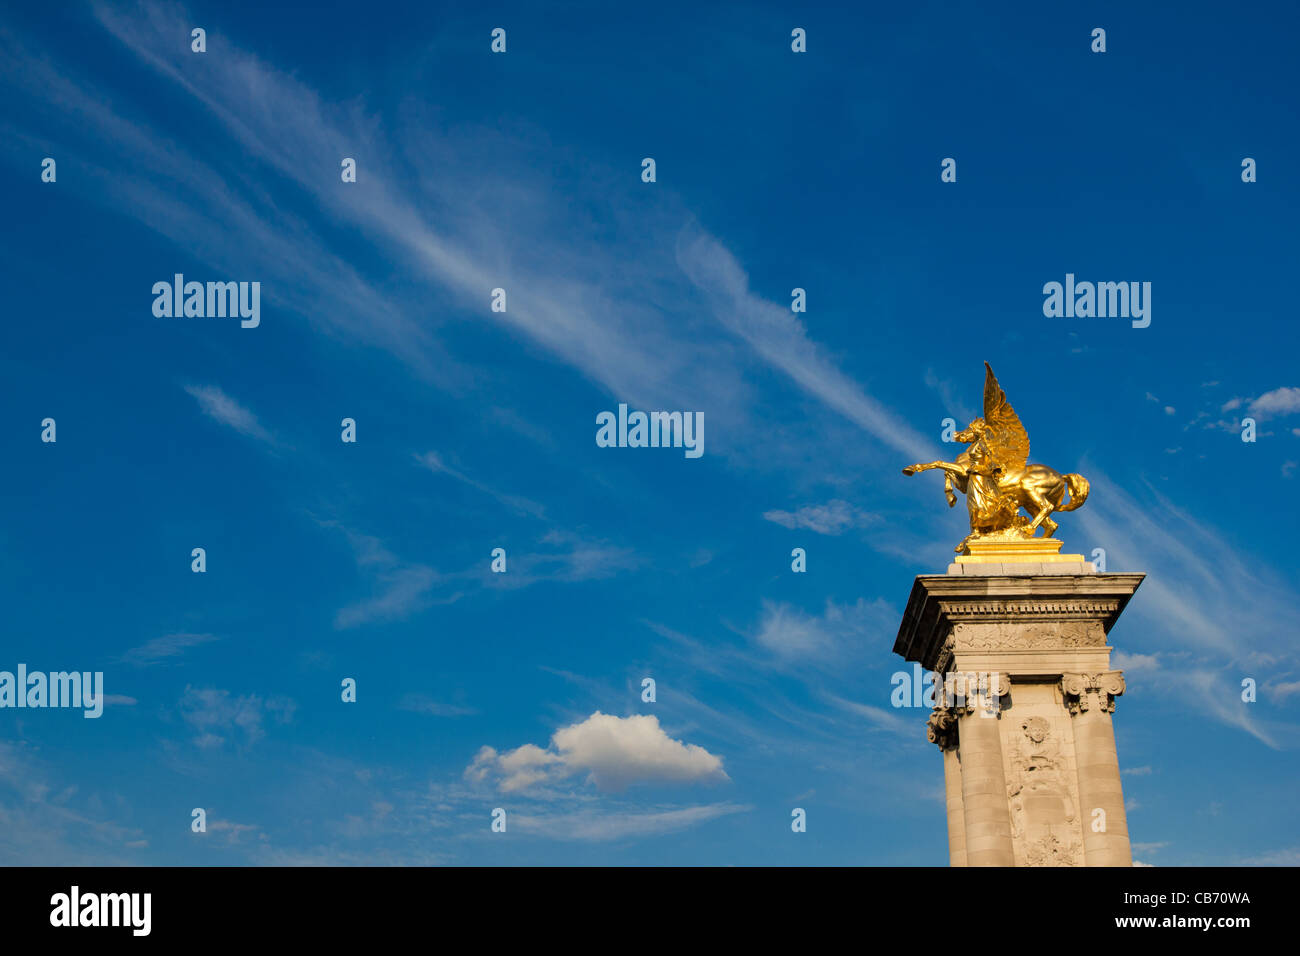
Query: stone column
[1090, 699]
[985, 815]
[942, 730]
[1028, 750]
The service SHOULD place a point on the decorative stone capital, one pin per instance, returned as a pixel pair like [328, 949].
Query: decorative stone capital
[941, 728]
[1079, 689]
[970, 692]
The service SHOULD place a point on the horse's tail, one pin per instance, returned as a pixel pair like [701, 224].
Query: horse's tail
[1078, 491]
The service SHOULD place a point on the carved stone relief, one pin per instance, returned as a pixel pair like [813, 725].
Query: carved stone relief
[992, 637]
[1044, 816]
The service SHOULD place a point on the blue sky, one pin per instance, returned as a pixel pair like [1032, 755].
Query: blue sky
[476, 429]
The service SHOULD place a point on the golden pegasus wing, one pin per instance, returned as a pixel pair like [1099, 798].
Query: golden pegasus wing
[1006, 438]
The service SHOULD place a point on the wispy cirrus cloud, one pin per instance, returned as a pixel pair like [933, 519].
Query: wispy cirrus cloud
[424, 704]
[1282, 856]
[435, 463]
[232, 833]
[776, 334]
[880, 718]
[954, 400]
[833, 518]
[164, 649]
[51, 822]
[220, 407]
[1209, 615]
[401, 589]
[398, 588]
[563, 556]
[399, 592]
[561, 296]
[472, 228]
[602, 825]
[795, 636]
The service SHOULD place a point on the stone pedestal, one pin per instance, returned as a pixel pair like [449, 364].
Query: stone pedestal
[1023, 714]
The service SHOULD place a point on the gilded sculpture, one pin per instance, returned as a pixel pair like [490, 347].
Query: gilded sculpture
[994, 475]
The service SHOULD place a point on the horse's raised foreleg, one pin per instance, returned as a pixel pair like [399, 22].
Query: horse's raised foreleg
[955, 470]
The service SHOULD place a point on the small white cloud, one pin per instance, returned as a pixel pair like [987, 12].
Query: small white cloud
[1125, 661]
[1285, 401]
[217, 715]
[1280, 401]
[790, 632]
[614, 752]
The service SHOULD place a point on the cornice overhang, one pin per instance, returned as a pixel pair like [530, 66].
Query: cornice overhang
[938, 601]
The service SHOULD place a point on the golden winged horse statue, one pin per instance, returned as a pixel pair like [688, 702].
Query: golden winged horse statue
[994, 475]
